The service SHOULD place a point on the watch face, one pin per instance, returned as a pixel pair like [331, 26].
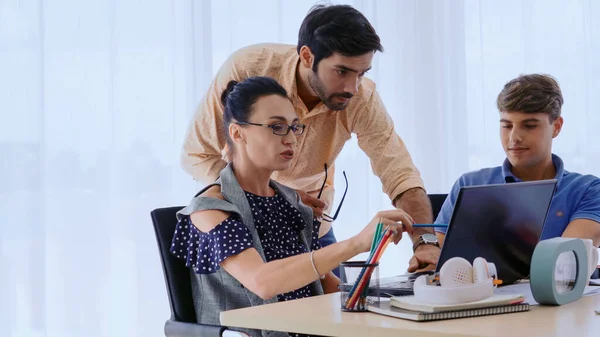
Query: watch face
[565, 272]
[429, 238]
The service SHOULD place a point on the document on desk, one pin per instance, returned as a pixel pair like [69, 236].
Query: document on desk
[524, 289]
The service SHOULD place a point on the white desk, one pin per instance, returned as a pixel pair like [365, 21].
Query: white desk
[321, 315]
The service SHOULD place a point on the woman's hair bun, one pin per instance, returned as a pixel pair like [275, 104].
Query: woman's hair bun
[227, 91]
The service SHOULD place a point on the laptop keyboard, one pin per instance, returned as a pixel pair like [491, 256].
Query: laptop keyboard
[398, 284]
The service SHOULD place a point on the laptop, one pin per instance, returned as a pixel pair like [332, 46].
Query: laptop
[501, 223]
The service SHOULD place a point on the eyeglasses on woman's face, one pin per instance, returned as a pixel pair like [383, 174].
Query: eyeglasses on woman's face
[280, 129]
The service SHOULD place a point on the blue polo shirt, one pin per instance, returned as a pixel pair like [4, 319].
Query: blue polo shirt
[577, 196]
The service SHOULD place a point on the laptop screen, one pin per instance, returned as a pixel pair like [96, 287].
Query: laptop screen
[501, 223]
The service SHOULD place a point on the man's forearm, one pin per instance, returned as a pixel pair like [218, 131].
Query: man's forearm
[583, 229]
[416, 203]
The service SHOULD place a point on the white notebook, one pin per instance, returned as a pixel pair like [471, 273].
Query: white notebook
[411, 303]
[384, 308]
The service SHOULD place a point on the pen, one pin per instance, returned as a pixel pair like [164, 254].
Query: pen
[429, 225]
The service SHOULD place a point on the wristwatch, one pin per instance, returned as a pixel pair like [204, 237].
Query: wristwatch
[426, 239]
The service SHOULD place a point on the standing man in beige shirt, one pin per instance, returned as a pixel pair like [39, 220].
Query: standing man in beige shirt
[324, 75]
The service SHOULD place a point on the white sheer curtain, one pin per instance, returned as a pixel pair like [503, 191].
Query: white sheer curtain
[95, 97]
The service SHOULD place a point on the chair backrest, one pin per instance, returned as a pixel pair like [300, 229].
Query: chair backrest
[437, 200]
[177, 275]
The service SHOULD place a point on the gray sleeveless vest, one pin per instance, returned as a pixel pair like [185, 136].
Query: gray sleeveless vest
[220, 291]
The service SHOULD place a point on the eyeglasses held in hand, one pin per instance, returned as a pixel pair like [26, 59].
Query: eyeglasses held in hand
[280, 129]
[326, 217]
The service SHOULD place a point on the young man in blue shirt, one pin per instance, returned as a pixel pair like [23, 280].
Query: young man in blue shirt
[530, 118]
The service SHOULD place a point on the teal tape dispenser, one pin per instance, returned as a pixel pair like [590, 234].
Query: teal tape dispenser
[559, 271]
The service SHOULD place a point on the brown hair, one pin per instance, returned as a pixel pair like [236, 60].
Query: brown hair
[532, 93]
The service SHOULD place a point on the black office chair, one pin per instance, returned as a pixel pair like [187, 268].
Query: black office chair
[437, 200]
[179, 289]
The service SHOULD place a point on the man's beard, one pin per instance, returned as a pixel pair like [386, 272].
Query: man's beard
[317, 86]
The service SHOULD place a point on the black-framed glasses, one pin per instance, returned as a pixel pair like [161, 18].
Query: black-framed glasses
[327, 217]
[280, 129]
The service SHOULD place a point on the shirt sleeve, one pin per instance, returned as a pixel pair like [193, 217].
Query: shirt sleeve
[448, 206]
[204, 252]
[204, 142]
[589, 206]
[389, 157]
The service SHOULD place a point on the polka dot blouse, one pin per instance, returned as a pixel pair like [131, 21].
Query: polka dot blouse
[277, 222]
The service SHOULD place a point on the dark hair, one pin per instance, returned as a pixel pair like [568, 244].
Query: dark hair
[239, 97]
[532, 93]
[341, 29]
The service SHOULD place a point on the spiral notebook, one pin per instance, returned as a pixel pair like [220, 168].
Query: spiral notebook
[413, 304]
[384, 308]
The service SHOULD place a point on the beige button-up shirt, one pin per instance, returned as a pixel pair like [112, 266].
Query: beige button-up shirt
[323, 139]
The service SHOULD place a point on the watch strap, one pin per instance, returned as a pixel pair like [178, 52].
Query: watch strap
[421, 241]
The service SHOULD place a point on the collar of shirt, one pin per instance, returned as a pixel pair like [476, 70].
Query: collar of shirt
[509, 177]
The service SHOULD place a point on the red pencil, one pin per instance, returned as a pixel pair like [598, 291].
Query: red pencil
[353, 297]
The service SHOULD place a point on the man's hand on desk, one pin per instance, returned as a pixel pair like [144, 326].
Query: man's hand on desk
[317, 205]
[425, 258]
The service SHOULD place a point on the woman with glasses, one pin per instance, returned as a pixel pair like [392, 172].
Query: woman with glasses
[248, 239]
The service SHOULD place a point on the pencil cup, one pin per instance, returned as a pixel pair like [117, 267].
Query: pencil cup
[361, 287]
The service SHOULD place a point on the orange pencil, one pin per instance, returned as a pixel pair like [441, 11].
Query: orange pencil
[362, 282]
[366, 276]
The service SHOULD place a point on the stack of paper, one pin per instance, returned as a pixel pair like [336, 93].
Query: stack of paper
[411, 303]
[407, 307]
